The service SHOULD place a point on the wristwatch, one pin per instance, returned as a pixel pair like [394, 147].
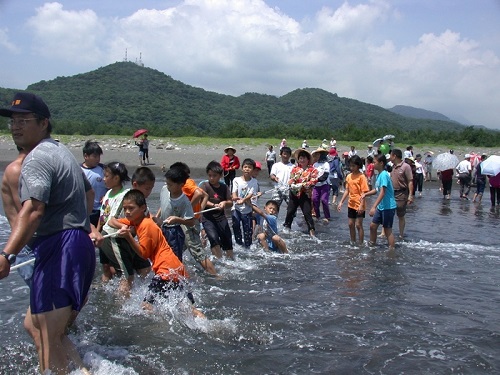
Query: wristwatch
[11, 258]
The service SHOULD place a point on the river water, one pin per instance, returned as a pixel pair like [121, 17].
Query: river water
[326, 308]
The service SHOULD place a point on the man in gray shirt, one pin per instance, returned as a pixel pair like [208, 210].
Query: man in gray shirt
[54, 216]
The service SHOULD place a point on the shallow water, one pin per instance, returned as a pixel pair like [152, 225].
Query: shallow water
[325, 308]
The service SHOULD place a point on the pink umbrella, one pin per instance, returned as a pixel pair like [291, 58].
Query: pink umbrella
[140, 132]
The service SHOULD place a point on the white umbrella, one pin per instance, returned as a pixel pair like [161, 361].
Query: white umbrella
[445, 161]
[377, 142]
[388, 136]
[491, 166]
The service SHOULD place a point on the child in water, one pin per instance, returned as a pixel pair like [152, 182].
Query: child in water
[384, 208]
[115, 254]
[356, 185]
[151, 244]
[269, 239]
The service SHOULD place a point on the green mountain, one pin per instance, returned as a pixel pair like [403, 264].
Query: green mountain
[121, 97]
[408, 111]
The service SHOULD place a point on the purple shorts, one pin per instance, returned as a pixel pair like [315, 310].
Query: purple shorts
[64, 268]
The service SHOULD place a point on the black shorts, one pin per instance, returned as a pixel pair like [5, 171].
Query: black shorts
[219, 233]
[160, 288]
[129, 257]
[354, 214]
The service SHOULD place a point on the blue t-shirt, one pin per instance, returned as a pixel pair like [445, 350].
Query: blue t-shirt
[270, 226]
[388, 202]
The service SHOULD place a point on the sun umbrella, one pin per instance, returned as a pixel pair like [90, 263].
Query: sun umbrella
[388, 136]
[445, 161]
[491, 166]
[377, 142]
[140, 132]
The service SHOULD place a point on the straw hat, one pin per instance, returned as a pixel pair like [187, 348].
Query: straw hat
[318, 150]
[230, 148]
[301, 150]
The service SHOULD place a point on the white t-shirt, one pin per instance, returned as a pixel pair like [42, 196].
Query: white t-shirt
[322, 167]
[111, 207]
[464, 166]
[282, 172]
[243, 188]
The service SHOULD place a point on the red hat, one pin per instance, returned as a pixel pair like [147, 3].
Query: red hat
[258, 165]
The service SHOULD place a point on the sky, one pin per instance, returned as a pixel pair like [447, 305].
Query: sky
[439, 55]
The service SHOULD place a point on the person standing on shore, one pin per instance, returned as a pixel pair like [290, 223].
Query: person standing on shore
[141, 151]
[270, 158]
[231, 164]
[53, 195]
[145, 149]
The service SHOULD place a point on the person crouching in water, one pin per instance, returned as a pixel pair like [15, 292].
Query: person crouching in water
[269, 239]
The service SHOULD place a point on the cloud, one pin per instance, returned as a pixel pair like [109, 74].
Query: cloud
[74, 36]
[6, 43]
[238, 46]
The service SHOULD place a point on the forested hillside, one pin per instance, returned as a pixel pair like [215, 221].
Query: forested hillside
[121, 97]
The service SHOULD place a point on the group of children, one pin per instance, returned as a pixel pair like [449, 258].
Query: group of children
[135, 241]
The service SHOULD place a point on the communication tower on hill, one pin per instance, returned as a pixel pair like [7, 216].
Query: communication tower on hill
[137, 62]
[140, 63]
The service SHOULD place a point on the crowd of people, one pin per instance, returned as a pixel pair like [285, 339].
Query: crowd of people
[61, 210]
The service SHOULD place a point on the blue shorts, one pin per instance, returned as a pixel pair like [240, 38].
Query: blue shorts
[175, 237]
[384, 217]
[64, 268]
[272, 246]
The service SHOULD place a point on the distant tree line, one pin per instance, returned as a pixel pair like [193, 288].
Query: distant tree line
[477, 137]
